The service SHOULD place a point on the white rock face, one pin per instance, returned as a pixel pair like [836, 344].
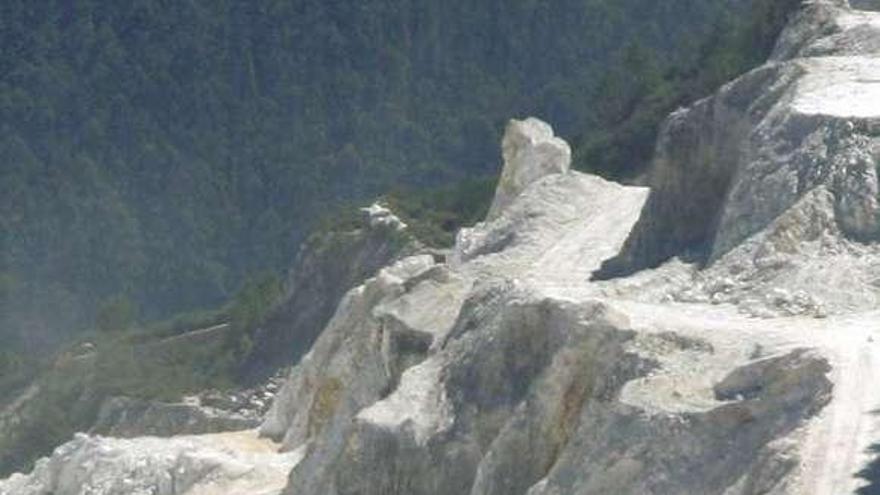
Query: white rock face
[531, 151]
[543, 377]
[775, 175]
[384, 326]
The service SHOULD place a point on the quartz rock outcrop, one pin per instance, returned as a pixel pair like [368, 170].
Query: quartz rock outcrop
[530, 151]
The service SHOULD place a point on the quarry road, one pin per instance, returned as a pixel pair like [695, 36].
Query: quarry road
[597, 235]
[837, 444]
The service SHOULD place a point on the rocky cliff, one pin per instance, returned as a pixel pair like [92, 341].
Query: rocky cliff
[772, 183]
[717, 332]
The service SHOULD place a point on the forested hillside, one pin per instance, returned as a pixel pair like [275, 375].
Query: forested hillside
[157, 153]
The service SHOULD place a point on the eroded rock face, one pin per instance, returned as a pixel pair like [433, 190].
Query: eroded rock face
[797, 265]
[530, 151]
[730, 165]
[483, 400]
[525, 397]
[829, 27]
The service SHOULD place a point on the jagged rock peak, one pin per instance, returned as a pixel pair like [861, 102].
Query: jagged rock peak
[531, 151]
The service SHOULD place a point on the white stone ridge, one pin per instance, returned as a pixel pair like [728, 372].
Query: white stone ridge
[770, 186]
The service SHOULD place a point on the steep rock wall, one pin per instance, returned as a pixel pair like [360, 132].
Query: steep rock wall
[731, 164]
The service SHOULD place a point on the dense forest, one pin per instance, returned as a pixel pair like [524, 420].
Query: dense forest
[154, 154]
